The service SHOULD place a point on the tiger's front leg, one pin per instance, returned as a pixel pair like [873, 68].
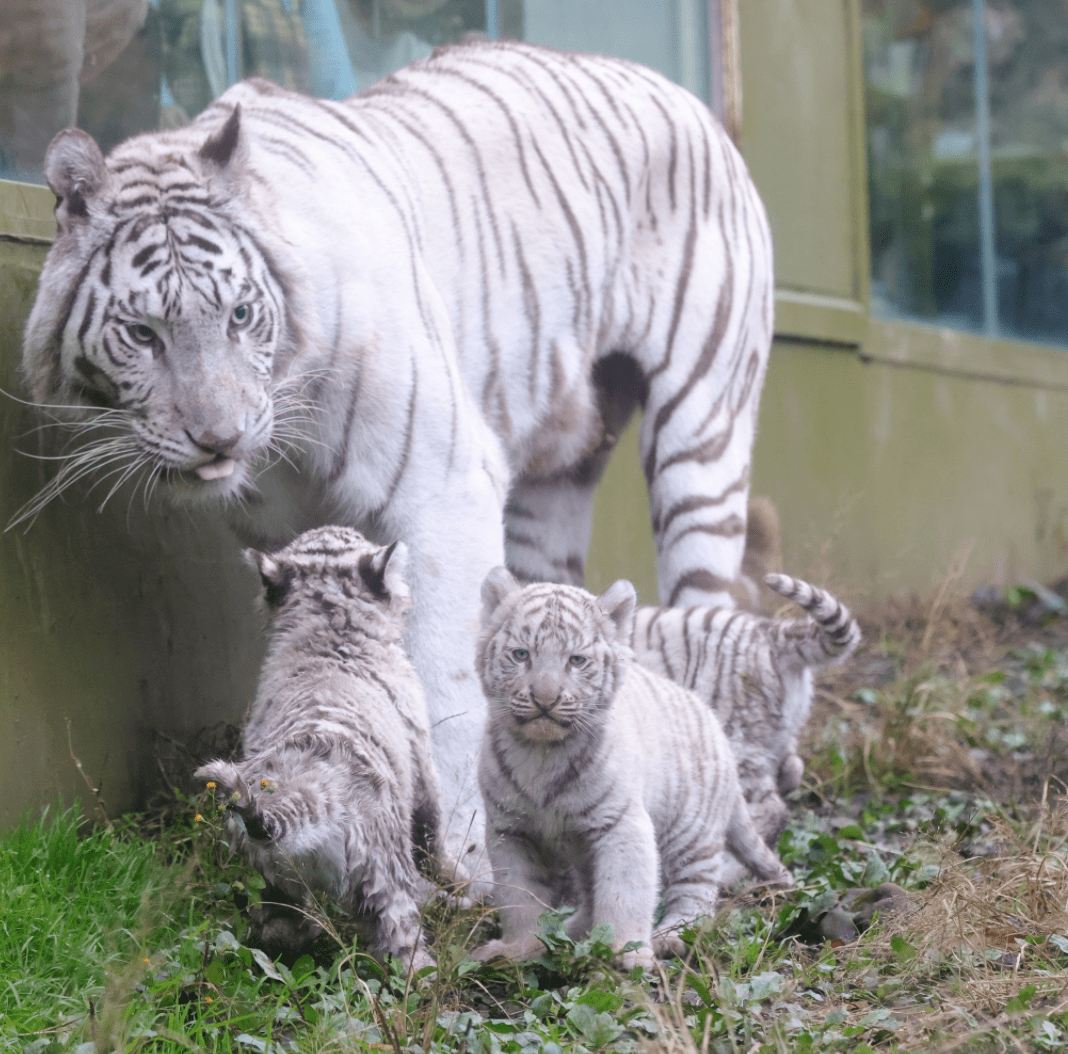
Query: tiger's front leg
[522, 892]
[625, 867]
[454, 539]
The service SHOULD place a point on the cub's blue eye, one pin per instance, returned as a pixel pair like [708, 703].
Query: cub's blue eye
[578, 661]
[520, 654]
[241, 314]
[142, 334]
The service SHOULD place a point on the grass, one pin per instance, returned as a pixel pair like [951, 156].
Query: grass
[929, 846]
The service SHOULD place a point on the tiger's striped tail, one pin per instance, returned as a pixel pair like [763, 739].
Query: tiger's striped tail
[833, 636]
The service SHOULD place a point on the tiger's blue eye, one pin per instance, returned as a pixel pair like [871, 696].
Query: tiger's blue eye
[578, 661]
[520, 654]
[142, 334]
[241, 314]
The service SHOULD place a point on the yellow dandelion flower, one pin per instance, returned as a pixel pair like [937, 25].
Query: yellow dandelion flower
[265, 783]
[149, 961]
[210, 785]
[197, 818]
[208, 999]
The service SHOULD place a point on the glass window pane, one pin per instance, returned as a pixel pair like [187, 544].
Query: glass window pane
[931, 147]
[922, 169]
[669, 35]
[1028, 57]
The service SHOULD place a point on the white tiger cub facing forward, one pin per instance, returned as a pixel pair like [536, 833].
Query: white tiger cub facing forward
[755, 673]
[337, 786]
[601, 780]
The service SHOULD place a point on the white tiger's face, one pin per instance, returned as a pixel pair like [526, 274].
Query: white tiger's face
[185, 346]
[554, 663]
[161, 314]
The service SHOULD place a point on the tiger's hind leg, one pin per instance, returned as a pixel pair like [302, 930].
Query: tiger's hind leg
[547, 525]
[690, 891]
[703, 359]
[548, 518]
[696, 464]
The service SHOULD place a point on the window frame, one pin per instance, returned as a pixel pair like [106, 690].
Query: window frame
[849, 323]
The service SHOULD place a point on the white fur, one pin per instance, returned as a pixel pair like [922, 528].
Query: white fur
[440, 267]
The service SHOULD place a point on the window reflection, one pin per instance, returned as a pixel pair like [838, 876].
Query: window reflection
[118, 67]
[930, 145]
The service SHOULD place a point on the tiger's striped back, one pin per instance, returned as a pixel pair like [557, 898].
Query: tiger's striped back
[755, 673]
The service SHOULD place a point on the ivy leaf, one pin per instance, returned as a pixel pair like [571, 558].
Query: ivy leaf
[266, 965]
[904, 951]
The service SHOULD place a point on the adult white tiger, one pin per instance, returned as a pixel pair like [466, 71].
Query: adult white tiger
[474, 272]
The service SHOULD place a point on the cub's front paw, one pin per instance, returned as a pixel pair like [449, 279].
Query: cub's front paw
[642, 957]
[668, 943]
[525, 948]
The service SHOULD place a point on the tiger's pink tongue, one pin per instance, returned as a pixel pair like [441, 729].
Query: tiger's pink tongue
[216, 469]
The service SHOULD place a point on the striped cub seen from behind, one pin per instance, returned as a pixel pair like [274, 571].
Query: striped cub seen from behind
[603, 782]
[337, 788]
[755, 673]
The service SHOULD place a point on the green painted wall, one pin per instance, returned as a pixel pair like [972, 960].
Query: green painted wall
[883, 477]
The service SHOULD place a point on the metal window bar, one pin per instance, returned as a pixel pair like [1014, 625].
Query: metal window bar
[987, 255]
[493, 19]
[233, 49]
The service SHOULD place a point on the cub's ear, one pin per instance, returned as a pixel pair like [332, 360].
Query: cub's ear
[618, 602]
[74, 170]
[226, 147]
[276, 578]
[383, 573]
[499, 584]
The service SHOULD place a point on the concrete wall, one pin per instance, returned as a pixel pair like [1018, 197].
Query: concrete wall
[120, 622]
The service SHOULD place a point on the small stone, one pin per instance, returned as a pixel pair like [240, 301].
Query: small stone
[836, 925]
[886, 900]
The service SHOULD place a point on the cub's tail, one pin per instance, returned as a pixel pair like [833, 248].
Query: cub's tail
[832, 637]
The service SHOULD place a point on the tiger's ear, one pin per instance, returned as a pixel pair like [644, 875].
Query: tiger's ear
[498, 585]
[383, 573]
[276, 579]
[618, 602]
[74, 170]
[226, 148]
